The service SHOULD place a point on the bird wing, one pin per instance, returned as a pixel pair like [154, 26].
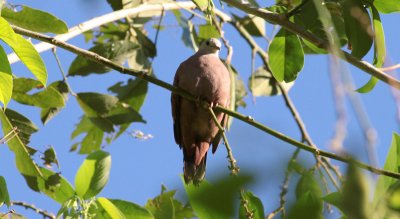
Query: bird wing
[176, 106]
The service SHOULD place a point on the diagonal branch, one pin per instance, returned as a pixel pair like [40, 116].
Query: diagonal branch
[282, 20]
[44, 213]
[247, 119]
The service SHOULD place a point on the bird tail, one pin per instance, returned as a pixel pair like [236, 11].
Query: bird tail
[195, 159]
[194, 173]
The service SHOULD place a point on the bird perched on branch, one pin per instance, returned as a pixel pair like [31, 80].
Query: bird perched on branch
[205, 77]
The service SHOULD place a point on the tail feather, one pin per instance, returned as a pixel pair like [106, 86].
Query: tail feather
[194, 173]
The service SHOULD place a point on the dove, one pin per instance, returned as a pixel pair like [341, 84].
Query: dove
[205, 77]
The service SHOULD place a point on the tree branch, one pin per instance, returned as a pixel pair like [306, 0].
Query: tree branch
[247, 119]
[44, 213]
[282, 20]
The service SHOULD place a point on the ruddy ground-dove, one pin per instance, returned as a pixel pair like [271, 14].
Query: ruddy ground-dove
[205, 77]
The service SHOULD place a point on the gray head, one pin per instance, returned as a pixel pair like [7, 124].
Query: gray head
[212, 45]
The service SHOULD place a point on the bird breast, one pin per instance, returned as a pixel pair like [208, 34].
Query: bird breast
[206, 77]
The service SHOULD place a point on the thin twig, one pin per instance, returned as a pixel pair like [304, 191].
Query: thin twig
[44, 213]
[390, 68]
[232, 162]
[65, 79]
[247, 119]
[284, 188]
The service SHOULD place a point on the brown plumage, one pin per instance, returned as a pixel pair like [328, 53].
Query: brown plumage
[204, 76]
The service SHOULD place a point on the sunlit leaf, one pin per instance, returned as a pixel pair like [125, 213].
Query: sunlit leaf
[262, 83]
[286, 57]
[162, 206]
[25, 126]
[25, 165]
[6, 85]
[35, 20]
[4, 196]
[133, 92]
[132, 210]
[55, 186]
[253, 24]
[93, 174]
[110, 208]
[48, 113]
[387, 6]
[254, 205]
[207, 31]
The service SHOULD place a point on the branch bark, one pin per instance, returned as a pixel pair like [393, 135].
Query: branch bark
[247, 119]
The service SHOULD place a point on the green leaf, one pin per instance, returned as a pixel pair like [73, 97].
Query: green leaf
[146, 45]
[117, 51]
[189, 36]
[4, 196]
[254, 25]
[254, 204]
[133, 92]
[358, 27]
[7, 33]
[94, 104]
[50, 157]
[218, 203]
[16, 216]
[132, 210]
[387, 6]
[355, 194]
[55, 186]
[286, 57]
[93, 174]
[25, 127]
[262, 83]
[202, 4]
[25, 165]
[50, 97]
[110, 208]
[93, 139]
[35, 20]
[335, 199]
[115, 4]
[162, 206]
[48, 113]
[379, 49]
[392, 163]
[207, 31]
[6, 85]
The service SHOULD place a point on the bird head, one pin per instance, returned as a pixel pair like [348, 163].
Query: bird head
[212, 45]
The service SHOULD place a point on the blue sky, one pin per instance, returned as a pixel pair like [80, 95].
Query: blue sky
[140, 167]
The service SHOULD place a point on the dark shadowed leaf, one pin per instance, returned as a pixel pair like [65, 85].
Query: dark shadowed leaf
[94, 104]
[4, 196]
[392, 163]
[358, 27]
[50, 157]
[219, 201]
[117, 51]
[262, 83]
[379, 49]
[93, 174]
[35, 20]
[25, 126]
[355, 194]
[93, 138]
[133, 92]
[309, 203]
[146, 44]
[115, 4]
[254, 204]
[286, 56]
